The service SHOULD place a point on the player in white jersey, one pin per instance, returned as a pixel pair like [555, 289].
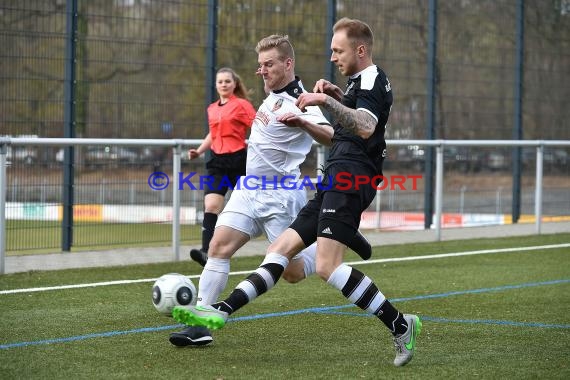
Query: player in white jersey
[332, 217]
[261, 203]
[275, 148]
[281, 136]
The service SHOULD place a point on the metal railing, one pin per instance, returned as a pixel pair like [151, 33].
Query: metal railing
[178, 144]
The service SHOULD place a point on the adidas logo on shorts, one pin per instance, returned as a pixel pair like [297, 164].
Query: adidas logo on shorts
[327, 231]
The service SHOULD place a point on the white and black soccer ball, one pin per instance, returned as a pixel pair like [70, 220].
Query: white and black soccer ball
[173, 289]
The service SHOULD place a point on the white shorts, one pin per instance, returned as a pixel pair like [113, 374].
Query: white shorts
[258, 211]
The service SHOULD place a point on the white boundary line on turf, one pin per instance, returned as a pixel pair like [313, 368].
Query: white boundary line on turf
[467, 253]
[393, 259]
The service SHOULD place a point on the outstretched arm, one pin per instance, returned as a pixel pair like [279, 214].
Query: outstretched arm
[326, 87]
[321, 133]
[358, 122]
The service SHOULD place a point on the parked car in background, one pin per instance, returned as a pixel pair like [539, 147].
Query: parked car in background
[497, 160]
[463, 159]
[557, 157]
[553, 159]
[405, 157]
[456, 158]
[109, 155]
[25, 154]
[128, 155]
[59, 155]
[99, 155]
[22, 154]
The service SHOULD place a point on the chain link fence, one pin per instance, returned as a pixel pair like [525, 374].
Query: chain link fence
[144, 69]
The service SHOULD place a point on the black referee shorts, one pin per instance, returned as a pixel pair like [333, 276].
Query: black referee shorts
[225, 169]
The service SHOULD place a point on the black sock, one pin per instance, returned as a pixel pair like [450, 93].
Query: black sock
[223, 306]
[208, 226]
[365, 296]
[392, 318]
[257, 283]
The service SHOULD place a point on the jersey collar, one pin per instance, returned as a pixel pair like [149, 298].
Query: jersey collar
[371, 68]
[294, 88]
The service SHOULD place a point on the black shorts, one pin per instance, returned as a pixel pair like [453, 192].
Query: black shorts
[337, 207]
[225, 169]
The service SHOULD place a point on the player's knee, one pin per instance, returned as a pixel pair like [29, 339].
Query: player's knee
[293, 277]
[219, 250]
[294, 272]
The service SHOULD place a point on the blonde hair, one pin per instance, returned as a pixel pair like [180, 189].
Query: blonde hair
[358, 32]
[241, 90]
[279, 42]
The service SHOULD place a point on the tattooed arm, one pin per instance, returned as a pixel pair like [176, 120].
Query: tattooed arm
[360, 123]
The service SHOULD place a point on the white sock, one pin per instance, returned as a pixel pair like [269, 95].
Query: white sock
[339, 277]
[277, 258]
[213, 280]
[309, 257]
[264, 276]
[361, 290]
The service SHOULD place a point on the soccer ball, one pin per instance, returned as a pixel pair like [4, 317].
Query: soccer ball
[171, 290]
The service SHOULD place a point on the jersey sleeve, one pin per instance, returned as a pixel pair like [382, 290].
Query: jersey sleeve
[314, 115]
[374, 95]
[246, 113]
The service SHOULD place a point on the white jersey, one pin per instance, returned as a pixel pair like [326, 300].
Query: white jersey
[275, 149]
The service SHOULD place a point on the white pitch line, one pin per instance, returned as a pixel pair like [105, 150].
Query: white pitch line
[467, 253]
[387, 260]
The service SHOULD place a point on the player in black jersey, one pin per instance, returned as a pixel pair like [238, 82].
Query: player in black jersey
[333, 216]
[275, 151]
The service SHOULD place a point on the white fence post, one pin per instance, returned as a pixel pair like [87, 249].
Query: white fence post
[438, 190]
[498, 205]
[176, 202]
[538, 188]
[462, 199]
[320, 160]
[378, 204]
[3, 180]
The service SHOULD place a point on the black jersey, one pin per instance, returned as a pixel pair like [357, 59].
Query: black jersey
[370, 91]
